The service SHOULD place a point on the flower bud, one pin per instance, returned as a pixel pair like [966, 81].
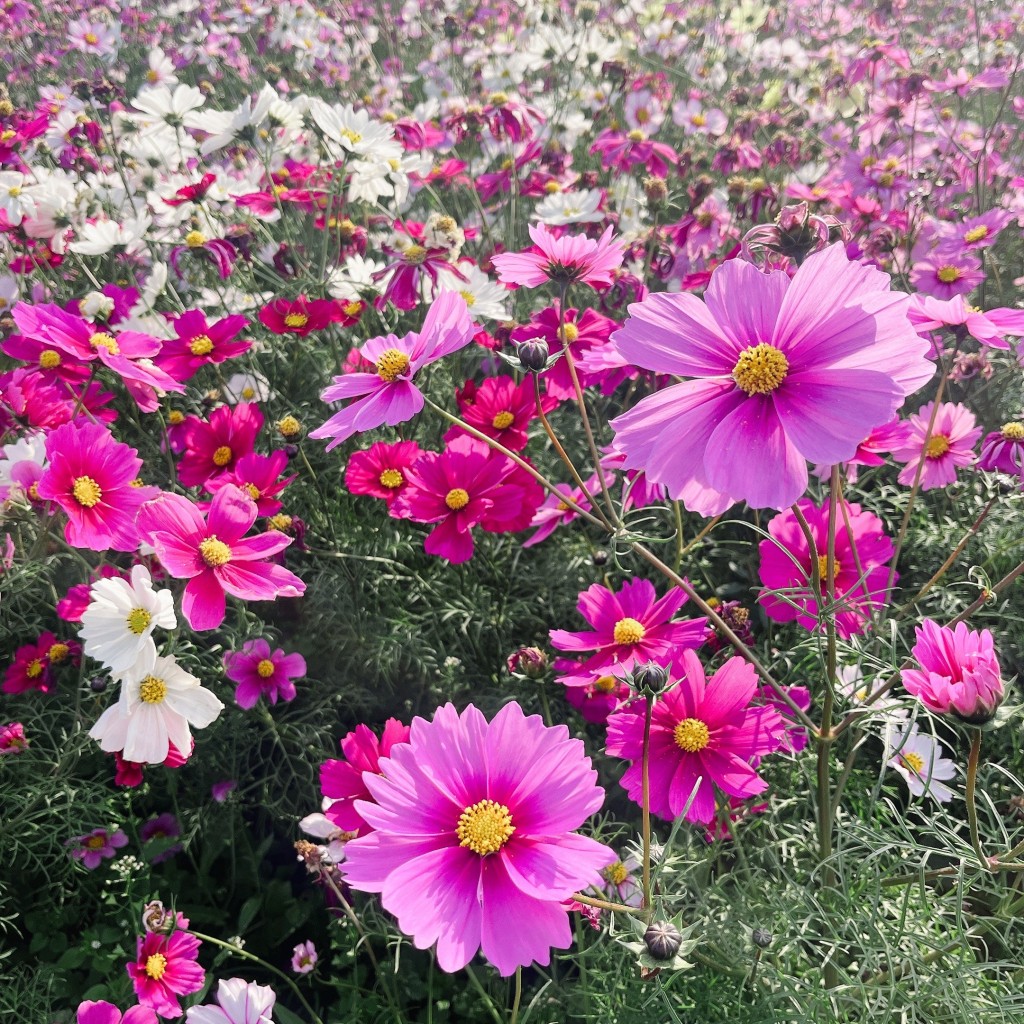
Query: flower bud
[533, 354]
[650, 679]
[99, 684]
[531, 662]
[662, 940]
[762, 938]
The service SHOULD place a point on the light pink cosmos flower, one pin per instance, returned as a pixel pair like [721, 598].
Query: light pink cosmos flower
[783, 370]
[990, 327]
[97, 846]
[474, 844]
[91, 477]
[259, 671]
[214, 554]
[959, 672]
[102, 1012]
[240, 1002]
[388, 395]
[919, 759]
[950, 445]
[304, 957]
[704, 733]
[12, 739]
[563, 259]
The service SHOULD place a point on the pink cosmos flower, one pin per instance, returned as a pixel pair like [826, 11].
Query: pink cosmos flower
[625, 150]
[990, 327]
[198, 343]
[259, 671]
[556, 511]
[380, 471]
[959, 672]
[388, 395]
[258, 476]
[12, 739]
[783, 370]
[239, 1002]
[304, 958]
[562, 259]
[342, 780]
[214, 555]
[599, 698]
[950, 445]
[630, 627]
[95, 847]
[31, 668]
[474, 844]
[102, 1012]
[466, 485]
[862, 557]
[165, 967]
[704, 733]
[215, 447]
[1002, 451]
[91, 477]
[285, 316]
[945, 275]
[499, 408]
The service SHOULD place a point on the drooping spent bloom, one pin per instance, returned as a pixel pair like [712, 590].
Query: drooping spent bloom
[1002, 451]
[474, 844]
[214, 554]
[260, 671]
[919, 758]
[239, 1002]
[12, 739]
[102, 1012]
[118, 624]
[96, 846]
[304, 958]
[215, 447]
[166, 967]
[704, 734]
[91, 476]
[784, 370]
[862, 554]
[631, 626]
[562, 259]
[959, 672]
[380, 471]
[949, 445]
[388, 395]
[341, 781]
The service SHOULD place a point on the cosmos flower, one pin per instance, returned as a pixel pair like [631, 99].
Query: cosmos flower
[102, 1012]
[474, 844]
[919, 759]
[214, 448]
[96, 846]
[949, 446]
[562, 259]
[381, 470]
[1002, 451]
[260, 671]
[239, 1002]
[304, 958]
[166, 967]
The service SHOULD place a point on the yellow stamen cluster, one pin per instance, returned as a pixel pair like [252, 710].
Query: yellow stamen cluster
[222, 456]
[156, 965]
[571, 332]
[468, 297]
[138, 620]
[152, 690]
[57, 653]
[936, 447]
[1012, 431]
[201, 345]
[279, 522]
[103, 340]
[691, 735]
[391, 478]
[456, 499]
[976, 234]
[252, 490]
[605, 683]
[615, 874]
[86, 491]
[296, 320]
[34, 669]
[214, 552]
[760, 369]
[415, 254]
[628, 631]
[49, 359]
[635, 135]
[175, 417]
[913, 761]
[948, 274]
[95, 843]
[265, 668]
[289, 426]
[485, 827]
[352, 308]
[503, 419]
[391, 365]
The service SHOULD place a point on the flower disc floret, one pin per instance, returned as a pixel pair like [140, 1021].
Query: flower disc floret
[222, 455]
[503, 420]
[49, 359]
[138, 620]
[296, 320]
[485, 827]
[457, 498]
[760, 369]
[691, 735]
[214, 552]
[201, 345]
[1012, 431]
[101, 339]
[391, 478]
[392, 364]
[265, 668]
[152, 690]
[86, 492]
[937, 446]
[628, 631]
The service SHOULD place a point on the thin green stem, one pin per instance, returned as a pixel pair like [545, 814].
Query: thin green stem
[645, 784]
[972, 808]
[513, 1017]
[492, 1009]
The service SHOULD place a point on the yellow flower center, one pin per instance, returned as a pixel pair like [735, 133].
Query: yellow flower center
[552, 187]
[58, 652]
[698, 120]
[354, 137]
[1012, 431]
[195, 239]
[279, 522]
[468, 297]
[296, 320]
[214, 552]
[415, 254]
[156, 965]
[947, 274]
[605, 683]
[976, 234]
[91, 38]
[571, 332]
[628, 631]
[86, 491]
[615, 873]
[691, 735]
[391, 365]
[456, 499]
[103, 340]
[151, 75]
[95, 843]
[222, 456]
[503, 420]
[252, 490]
[200, 345]
[248, 393]
[635, 135]
[138, 620]
[760, 369]
[823, 568]
[498, 99]
[352, 308]
[289, 426]
[175, 417]
[887, 179]
[913, 761]
[937, 446]
[265, 669]
[485, 827]
[34, 669]
[152, 690]
[391, 478]
[49, 359]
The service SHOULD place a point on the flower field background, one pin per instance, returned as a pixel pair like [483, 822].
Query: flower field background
[511, 512]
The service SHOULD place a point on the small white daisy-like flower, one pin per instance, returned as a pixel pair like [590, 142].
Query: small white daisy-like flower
[159, 701]
[118, 625]
[570, 208]
[919, 759]
[484, 297]
[246, 387]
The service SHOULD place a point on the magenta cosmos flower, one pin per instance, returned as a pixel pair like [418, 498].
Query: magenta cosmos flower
[91, 476]
[563, 259]
[631, 627]
[959, 672]
[862, 555]
[165, 968]
[259, 671]
[388, 395]
[380, 471]
[1002, 451]
[784, 370]
[341, 781]
[950, 445]
[214, 448]
[97, 846]
[197, 343]
[214, 554]
[702, 729]
[102, 1012]
[474, 845]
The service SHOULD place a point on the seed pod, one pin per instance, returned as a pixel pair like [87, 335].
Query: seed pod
[662, 940]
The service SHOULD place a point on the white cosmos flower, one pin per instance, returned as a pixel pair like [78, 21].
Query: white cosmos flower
[16, 199]
[241, 1002]
[118, 625]
[158, 702]
[246, 387]
[918, 758]
[570, 208]
[101, 236]
[354, 131]
[484, 297]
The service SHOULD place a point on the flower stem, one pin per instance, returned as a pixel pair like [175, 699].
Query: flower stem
[645, 783]
[972, 807]
[593, 901]
[513, 1017]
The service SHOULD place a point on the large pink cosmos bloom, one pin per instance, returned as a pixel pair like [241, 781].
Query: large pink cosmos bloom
[214, 554]
[862, 555]
[388, 395]
[102, 1012]
[474, 845]
[563, 259]
[949, 446]
[701, 729]
[164, 968]
[959, 672]
[630, 627]
[90, 476]
[342, 780]
[214, 448]
[784, 370]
